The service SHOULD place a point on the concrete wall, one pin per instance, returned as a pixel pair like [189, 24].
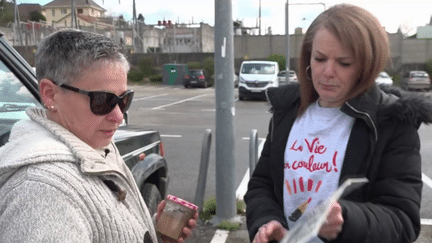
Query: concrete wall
[406, 53]
[403, 51]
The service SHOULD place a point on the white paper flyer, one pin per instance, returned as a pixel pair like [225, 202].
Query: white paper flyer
[310, 224]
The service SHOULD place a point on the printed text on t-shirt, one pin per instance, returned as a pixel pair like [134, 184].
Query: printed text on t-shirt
[314, 148]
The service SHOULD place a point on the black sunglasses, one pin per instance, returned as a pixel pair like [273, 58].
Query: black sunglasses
[101, 102]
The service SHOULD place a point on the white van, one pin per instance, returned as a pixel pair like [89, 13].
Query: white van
[255, 77]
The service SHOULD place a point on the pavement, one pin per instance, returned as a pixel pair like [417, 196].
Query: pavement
[207, 233]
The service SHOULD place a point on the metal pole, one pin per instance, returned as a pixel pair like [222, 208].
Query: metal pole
[202, 177]
[74, 18]
[225, 111]
[17, 24]
[288, 58]
[253, 151]
[259, 32]
[134, 26]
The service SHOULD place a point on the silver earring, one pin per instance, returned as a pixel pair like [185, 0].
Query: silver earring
[309, 77]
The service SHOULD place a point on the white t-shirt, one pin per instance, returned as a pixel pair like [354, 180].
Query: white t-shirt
[313, 159]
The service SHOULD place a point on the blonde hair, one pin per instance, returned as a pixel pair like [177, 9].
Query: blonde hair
[360, 33]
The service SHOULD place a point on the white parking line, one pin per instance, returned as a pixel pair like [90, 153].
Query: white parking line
[241, 190]
[220, 236]
[150, 97]
[426, 221]
[178, 102]
[426, 180]
[170, 136]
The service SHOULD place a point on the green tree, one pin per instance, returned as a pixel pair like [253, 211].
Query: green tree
[37, 16]
[280, 59]
[6, 13]
[146, 66]
[208, 65]
[194, 65]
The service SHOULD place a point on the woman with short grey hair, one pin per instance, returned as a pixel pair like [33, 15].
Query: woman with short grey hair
[62, 178]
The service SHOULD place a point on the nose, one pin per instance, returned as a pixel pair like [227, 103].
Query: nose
[115, 115]
[329, 70]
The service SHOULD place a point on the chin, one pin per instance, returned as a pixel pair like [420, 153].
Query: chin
[101, 144]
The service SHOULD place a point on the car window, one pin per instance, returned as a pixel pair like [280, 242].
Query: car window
[383, 75]
[14, 99]
[196, 72]
[258, 68]
[419, 75]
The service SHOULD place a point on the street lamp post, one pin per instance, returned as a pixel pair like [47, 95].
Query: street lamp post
[288, 57]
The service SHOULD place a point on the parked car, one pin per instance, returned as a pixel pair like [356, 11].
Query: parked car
[384, 79]
[196, 78]
[282, 77]
[19, 90]
[416, 80]
[256, 77]
[236, 80]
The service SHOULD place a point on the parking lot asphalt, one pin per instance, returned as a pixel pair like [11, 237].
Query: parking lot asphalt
[205, 232]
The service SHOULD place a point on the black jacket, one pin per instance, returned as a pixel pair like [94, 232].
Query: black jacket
[384, 146]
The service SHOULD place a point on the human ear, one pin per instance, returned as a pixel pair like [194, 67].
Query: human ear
[48, 91]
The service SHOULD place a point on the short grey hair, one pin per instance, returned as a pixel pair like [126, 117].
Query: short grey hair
[64, 55]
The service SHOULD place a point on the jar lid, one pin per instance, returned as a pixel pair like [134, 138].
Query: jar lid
[182, 202]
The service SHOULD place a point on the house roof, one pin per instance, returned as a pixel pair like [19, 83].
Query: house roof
[26, 9]
[86, 18]
[67, 4]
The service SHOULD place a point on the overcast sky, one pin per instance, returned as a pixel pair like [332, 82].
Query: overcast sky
[392, 13]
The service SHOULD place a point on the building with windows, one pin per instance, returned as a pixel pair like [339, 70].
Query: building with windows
[186, 38]
[59, 14]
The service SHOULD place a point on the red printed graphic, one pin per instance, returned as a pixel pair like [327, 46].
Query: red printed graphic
[318, 186]
[298, 212]
[288, 187]
[310, 186]
[301, 185]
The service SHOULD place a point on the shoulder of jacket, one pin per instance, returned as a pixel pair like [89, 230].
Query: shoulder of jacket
[283, 96]
[411, 107]
[26, 148]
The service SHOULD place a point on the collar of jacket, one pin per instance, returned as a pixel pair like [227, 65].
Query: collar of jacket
[364, 107]
[90, 160]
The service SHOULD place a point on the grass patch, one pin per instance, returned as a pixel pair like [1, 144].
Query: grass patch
[230, 226]
[209, 210]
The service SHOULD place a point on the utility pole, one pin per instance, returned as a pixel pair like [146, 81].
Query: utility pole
[134, 23]
[225, 111]
[288, 58]
[17, 24]
[259, 31]
[74, 20]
